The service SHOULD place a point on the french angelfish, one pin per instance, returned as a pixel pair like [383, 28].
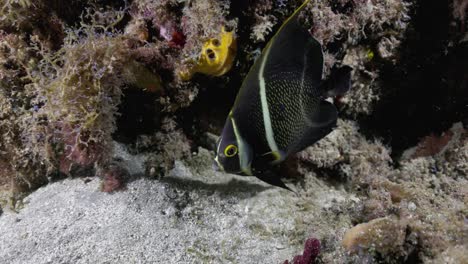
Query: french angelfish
[280, 108]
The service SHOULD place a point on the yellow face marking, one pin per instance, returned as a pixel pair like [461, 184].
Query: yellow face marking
[230, 151]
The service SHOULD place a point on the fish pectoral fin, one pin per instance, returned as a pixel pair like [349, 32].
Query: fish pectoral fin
[264, 162]
[273, 157]
[338, 83]
[324, 115]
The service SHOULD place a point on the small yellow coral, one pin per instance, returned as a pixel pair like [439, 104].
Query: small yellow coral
[369, 54]
[216, 57]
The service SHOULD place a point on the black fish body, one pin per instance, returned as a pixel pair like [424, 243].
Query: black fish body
[280, 108]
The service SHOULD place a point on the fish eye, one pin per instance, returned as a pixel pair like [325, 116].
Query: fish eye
[230, 151]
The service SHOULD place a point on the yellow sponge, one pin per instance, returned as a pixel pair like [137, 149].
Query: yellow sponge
[216, 57]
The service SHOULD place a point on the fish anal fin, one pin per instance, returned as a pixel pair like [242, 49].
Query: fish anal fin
[272, 178]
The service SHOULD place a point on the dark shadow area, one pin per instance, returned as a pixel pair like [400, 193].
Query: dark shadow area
[211, 106]
[71, 11]
[427, 91]
[243, 189]
[138, 115]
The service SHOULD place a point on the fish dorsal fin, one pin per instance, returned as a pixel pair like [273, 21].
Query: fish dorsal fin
[293, 50]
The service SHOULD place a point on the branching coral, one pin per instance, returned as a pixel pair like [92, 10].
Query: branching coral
[263, 19]
[263, 26]
[58, 107]
[356, 20]
[13, 13]
[350, 23]
[22, 166]
[79, 89]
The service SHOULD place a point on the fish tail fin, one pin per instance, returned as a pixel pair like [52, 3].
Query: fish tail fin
[338, 83]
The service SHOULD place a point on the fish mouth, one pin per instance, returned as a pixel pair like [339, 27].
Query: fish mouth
[219, 168]
[217, 165]
[247, 171]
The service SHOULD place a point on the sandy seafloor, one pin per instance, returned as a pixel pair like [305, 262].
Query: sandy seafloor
[73, 222]
[183, 218]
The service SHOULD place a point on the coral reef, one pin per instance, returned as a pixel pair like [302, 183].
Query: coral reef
[384, 235]
[388, 185]
[80, 94]
[367, 31]
[15, 102]
[406, 194]
[62, 84]
[186, 27]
